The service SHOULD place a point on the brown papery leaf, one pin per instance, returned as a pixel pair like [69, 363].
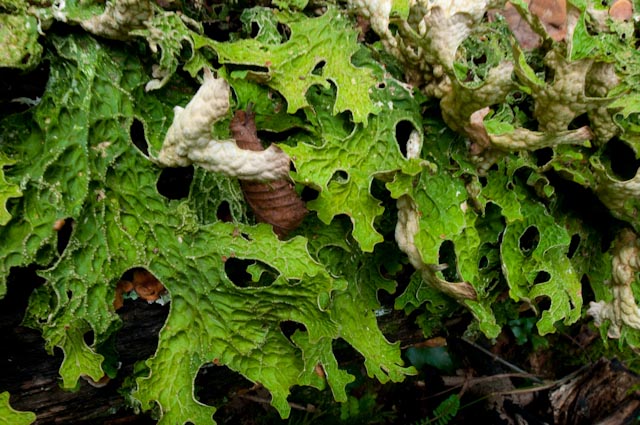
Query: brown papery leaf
[552, 13]
[621, 10]
[275, 203]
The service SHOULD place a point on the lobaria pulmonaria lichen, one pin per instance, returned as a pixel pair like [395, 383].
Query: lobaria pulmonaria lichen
[407, 228]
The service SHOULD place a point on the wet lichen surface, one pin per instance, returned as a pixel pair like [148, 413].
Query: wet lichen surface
[469, 166]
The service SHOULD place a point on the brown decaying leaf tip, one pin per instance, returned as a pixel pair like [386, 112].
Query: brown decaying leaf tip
[276, 202]
[621, 10]
[144, 283]
[552, 14]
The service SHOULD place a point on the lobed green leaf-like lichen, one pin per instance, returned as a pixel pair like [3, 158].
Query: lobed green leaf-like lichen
[493, 155]
[8, 415]
[7, 190]
[317, 52]
[97, 179]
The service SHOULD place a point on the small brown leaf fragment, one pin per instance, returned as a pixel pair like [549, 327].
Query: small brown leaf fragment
[621, 10]
[122, 287]
[59, 224]
[552, 14]
[146, 285]
[96, 384]
[527, 38]
[319, 370]
[275, 203]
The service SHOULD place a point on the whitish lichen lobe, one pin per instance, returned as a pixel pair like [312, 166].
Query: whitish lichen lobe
[188, 140]
[622, 310]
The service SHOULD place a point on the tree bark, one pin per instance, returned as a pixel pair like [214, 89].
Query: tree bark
[604, 393]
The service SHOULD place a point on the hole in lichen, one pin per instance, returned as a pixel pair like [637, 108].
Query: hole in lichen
[621, 159]
[379, 191]
[541, 277]
[137, 283]
[606, 242]
[343, 121]
[21, 282]
[137, 339]
[215, 382]
[284, 31]
[136, 131]
[309, 194]
[175, 183]
[267, 137]
[579, 121]
[289, 327]
[236, 270]
[220, 29]
[587, 292]
[543, 156]
[88, 338]
[223, 213]
[543, 303]
[21, 90]
[249, 273]
[483, 262]
[63, 227]
[251, 68]
[318, 69]
[345, 354]
[403, 132]
[573, 245]
[447, 255]
[529, 240]
[366, 33]
[340, 176]
[255, 29]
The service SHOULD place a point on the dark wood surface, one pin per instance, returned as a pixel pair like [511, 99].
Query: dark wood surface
[31, 376]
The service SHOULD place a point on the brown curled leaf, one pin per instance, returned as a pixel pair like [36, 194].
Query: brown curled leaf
[621, 10]
[552, 14]
[275, 203]
[122, 287]
[102, 382]
[144, 283]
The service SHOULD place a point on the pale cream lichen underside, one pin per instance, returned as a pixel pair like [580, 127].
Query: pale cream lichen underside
[119, 18]
[622, 310]
[615, 194]
[407, 228]
[188, 140]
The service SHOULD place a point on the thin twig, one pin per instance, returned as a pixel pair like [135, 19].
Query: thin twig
[470, 382]
[267, 401]
[481, 379]
[501, 360]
